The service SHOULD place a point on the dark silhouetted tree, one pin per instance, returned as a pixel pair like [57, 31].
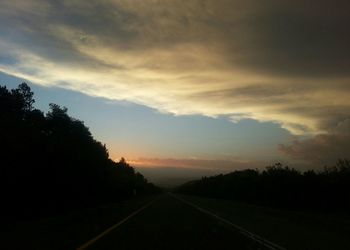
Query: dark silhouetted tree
[52, 162]
[281, 186]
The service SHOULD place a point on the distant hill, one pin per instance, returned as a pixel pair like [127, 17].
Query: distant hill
[170, 177]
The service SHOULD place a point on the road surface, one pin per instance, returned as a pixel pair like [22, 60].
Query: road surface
[169, 223]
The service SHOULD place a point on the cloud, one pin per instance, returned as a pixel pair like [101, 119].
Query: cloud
[284, 62]
[323, 149]
[320, 150]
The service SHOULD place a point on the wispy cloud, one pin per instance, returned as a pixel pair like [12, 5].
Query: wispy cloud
[199, 164]
[284, 62]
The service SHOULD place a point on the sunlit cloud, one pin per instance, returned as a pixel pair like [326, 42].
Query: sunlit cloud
[282, 62]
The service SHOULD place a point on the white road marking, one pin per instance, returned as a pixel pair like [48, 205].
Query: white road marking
[257, 238]
[90, 242]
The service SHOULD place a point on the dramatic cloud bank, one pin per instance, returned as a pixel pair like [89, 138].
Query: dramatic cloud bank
[281, 61]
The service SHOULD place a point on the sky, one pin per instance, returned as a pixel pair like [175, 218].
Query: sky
[190, 86]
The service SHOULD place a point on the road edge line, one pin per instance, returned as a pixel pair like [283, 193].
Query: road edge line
[108, 230]
[250, 235]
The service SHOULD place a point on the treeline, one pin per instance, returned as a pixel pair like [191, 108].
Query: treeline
[281, 186]
[51, 162]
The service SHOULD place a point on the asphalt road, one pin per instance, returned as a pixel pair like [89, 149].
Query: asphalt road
[169, 223]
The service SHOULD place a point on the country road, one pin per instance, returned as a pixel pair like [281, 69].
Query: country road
[169, 223]
[174, 221]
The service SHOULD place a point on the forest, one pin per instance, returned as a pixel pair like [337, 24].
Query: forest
[51, 163]
[281, 186]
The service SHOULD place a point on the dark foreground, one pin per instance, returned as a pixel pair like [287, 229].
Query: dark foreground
[179, 222]
[166, 223]
[172, 224]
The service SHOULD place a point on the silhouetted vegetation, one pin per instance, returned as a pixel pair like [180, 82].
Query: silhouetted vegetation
[281, 186]
[51, 162]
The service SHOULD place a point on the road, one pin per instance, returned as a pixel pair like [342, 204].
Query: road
[169, 223]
